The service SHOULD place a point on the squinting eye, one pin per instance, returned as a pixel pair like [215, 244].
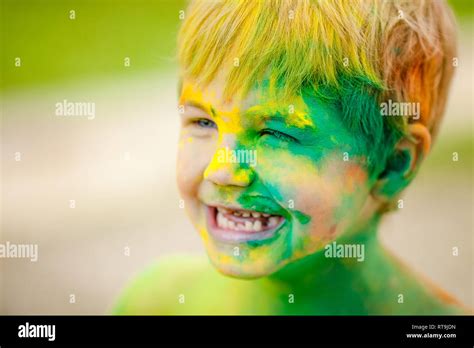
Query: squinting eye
[278, 135]
[205, 123]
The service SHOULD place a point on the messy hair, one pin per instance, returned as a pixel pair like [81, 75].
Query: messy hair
[357, 53]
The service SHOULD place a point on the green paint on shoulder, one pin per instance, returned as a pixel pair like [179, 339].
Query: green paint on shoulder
[157, 289]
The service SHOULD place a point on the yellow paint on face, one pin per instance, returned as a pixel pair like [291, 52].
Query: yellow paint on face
[203, 233]
[229, 124]
[300, 119]
[285, 170]
[295, 112]
[231, 121]
[238, 174]
[294, 109]
[185, 140]
[227, 119]
[189, 93]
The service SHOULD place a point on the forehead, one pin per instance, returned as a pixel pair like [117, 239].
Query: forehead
[214, 93]
[260, 101]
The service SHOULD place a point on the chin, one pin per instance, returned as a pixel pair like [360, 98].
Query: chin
[259, 236]
[242, 269]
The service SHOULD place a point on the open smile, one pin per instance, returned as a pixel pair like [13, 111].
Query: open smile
[239, 225]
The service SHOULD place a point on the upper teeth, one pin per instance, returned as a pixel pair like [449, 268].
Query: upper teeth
[247, 225]
[244, 213]
[255, 214]
[273, 221]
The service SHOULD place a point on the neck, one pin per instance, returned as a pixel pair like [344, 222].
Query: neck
[318, 270]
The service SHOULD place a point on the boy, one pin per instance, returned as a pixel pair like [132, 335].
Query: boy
[289, 155]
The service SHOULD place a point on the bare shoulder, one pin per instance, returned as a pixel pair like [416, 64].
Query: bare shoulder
[446, 303]
[161, 287]
[416, 294]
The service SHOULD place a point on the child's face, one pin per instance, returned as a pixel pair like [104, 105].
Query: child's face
[266, 181]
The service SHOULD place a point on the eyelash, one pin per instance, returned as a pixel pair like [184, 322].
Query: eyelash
[198, 123]
[272, 132]
[278, 135]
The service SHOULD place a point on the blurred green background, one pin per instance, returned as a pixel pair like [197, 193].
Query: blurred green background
[55, 49]
[119, 167]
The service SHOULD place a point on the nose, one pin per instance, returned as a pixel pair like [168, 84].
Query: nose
[230, 166]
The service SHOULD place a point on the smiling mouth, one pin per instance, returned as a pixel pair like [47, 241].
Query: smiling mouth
[239, 225]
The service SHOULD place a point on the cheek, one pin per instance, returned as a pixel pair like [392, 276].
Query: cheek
[339, 194]
[323, 197]
[338, 185]
[194, 155]
[352, 194]
[297, 182]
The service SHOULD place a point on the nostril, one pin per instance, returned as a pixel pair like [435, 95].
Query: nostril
[229, 175]
[219, 177]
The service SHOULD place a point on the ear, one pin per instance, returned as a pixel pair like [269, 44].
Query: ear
[403, 165]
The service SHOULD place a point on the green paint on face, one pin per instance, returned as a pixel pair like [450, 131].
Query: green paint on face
[355, 100]
[291, 156]
[302, 218]
[357, 103]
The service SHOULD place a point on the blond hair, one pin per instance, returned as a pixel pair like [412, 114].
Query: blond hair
[358, 52]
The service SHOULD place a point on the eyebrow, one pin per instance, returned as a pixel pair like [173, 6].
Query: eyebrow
[281, 115]
[208, 110]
